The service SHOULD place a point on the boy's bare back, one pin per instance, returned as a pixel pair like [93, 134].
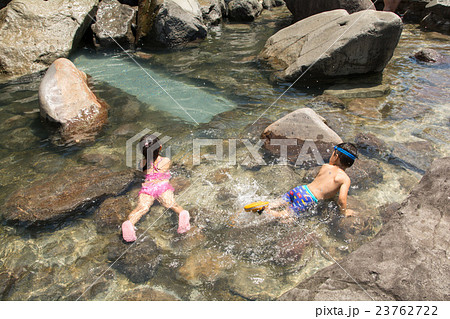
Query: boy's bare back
[330, 180]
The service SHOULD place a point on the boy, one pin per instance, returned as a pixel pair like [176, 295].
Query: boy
[330, 180]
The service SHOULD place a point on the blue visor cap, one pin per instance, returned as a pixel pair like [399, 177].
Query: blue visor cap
[353, 157]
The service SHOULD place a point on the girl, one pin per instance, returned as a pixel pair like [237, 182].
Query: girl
[156, 186]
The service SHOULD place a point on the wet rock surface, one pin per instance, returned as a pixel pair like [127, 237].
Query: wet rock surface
[213, 10]
[178, 22]
[405, 261]
[299, 128]
[302, 9]
[113, 25]
[138, 262]
[438, 16]
[294, 49]
[35, 33]
[66, 99]
[416, 156]
[112, 213]
[147, 294]
[66, 193]
[345, 91]
[204, 266]
[244, 10]
[366, 108]
[289, 250]
[429, 56]
[7, 280]
[370, 145]
[326, 101]
[365, 173]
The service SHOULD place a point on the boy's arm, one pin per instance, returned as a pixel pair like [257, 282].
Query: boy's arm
[343, 192]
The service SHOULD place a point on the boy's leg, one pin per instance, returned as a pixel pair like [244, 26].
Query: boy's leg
[167, 199]
[279, 208]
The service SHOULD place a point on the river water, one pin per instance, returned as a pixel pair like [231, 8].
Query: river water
[217, 90]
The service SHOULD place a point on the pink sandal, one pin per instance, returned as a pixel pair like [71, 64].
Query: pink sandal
[183, 222]
[128, 233]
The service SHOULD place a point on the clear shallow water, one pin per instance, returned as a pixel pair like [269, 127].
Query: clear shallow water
[188, 102]
[228, 254]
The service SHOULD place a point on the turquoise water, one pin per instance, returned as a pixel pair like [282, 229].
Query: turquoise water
[186, 101]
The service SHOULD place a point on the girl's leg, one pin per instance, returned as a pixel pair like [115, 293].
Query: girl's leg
[144, 203]
[167, 199]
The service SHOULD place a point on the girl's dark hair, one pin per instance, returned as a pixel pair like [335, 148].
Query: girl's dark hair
[150, 145]
[346, 160]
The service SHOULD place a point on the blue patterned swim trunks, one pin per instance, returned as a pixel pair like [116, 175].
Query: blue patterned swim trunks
[300, 198]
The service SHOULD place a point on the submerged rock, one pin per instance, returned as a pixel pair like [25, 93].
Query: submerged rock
[178, 22]
[7, 280]
[345, 91]
[417, 156]
[367, 108]
[139, 262]
[407, 259]
[305, 130]
[290, 249]
[244, 10]
[428, 56]
[204, 266]
[370, 145]
[310, 44]
[66, 99]
[35, 33]
[364, 173]
[65, 193]
[326, 101]
[304, 8]
[113, 25]
[147, 294]
[112, 213]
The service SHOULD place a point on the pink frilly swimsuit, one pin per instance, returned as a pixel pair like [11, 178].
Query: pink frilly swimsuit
[156, 183]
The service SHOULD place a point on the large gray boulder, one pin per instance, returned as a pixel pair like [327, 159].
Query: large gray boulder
[298, 127]
[178, 22]
[244, 10]
[407, 259]
[113, 26]
[66, 99]
[302, 9]
[213, 11]
[34, 33]
[334, 43]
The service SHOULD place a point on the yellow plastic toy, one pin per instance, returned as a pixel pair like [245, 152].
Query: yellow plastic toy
[256, 207]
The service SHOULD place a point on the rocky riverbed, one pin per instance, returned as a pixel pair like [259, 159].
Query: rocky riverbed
[62, 203]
